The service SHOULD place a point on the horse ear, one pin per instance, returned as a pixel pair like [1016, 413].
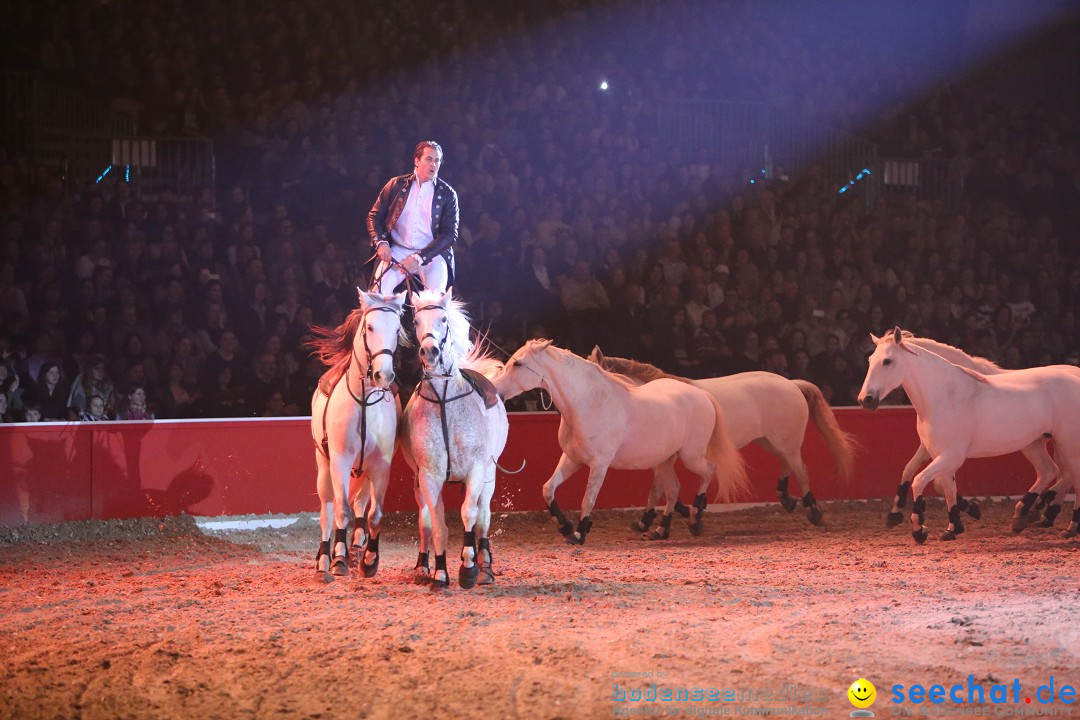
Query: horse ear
[399, 300]
[447, 296]
[596, 355]
[897, 335]
[363, 297]
[875, 338]
[543, 344]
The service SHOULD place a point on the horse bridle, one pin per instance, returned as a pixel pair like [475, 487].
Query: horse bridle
[367, 348]
[441, 343]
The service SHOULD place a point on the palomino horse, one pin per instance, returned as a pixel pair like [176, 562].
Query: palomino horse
[963, 413]
[607, 422]
[764, 408]
[455, 429]
[1027, 510]
[354, 424]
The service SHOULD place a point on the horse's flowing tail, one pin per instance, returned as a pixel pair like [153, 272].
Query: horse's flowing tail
[731, 478]
[841, 444]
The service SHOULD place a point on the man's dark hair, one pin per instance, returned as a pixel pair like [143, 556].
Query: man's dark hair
[426, 144]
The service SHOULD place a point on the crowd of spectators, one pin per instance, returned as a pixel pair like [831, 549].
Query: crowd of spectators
[580, 221]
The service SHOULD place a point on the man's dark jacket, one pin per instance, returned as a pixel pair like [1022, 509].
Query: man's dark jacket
[387, 209]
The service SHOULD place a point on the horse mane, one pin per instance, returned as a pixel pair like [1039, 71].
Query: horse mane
[954, 355]
[564, 355]
[333, 347]
[467, 354]
[922, 344]
[638, 370]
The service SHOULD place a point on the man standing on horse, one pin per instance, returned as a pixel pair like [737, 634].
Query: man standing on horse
[413, 225]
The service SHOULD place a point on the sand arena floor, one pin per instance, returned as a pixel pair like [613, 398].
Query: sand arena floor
[157, 619]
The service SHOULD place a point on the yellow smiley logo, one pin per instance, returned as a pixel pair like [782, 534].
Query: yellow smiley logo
[862, 693]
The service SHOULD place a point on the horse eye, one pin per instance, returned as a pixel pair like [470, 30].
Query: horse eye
[886, 362]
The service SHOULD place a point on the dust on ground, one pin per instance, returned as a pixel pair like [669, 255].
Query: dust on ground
[157, 619]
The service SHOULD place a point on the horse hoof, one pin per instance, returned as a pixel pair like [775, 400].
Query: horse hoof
[575, 538]
[974, 510]
[438, 583]
[487, 574]
[1018, 525]
[324, 577]
[566, 530]
[682, 509]
[421, 576]
[355, 553]
[637, 526]
[920, 535]
[815, 516]
[340, 567]
[1070, 533]
[370, 570]
[467, 576]
[697, 528]
[959, 527]
[788, 503]
[893, 519]
[948, 535]
[655, 535]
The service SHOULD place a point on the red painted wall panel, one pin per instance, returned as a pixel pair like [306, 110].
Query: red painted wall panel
[58, 472]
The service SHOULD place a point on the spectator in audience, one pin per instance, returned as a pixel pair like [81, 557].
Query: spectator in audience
[95, 410]
[50, 393]
[91, 382]
[135, 406]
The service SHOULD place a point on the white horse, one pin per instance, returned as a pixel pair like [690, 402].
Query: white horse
[1027, 510]
[455, 430]
[763, 408]
[354, 417]
[963, 413]
[607, 422]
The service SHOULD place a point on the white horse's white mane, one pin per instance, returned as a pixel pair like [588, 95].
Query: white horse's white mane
[462, 351]
[933, 346]
[565, 356]
[953, 354]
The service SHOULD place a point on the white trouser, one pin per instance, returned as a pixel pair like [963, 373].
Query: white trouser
[433, 275]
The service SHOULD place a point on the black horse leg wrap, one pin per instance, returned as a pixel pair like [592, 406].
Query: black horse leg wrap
[469, 540]
[1076, 515]
[324, 549]
[341, 536]
[422, 560]
[700, 502]
[584, 525]
[782, 485]
[556, 513]
[1048, 497]
[954, 516]
[902, 491]
[484, 545]
[808, 499]
[919, 507]
[440, 562]
[1027, 500]
[681, 508]
[665, 522]
[1052, 513]
[373, 544]
[961, 503]
[647, 517]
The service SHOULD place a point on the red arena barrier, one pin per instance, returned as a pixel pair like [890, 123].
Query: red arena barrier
[76, 471]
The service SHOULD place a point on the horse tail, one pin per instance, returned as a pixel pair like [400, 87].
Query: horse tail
[730, 474]
[841, 444]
